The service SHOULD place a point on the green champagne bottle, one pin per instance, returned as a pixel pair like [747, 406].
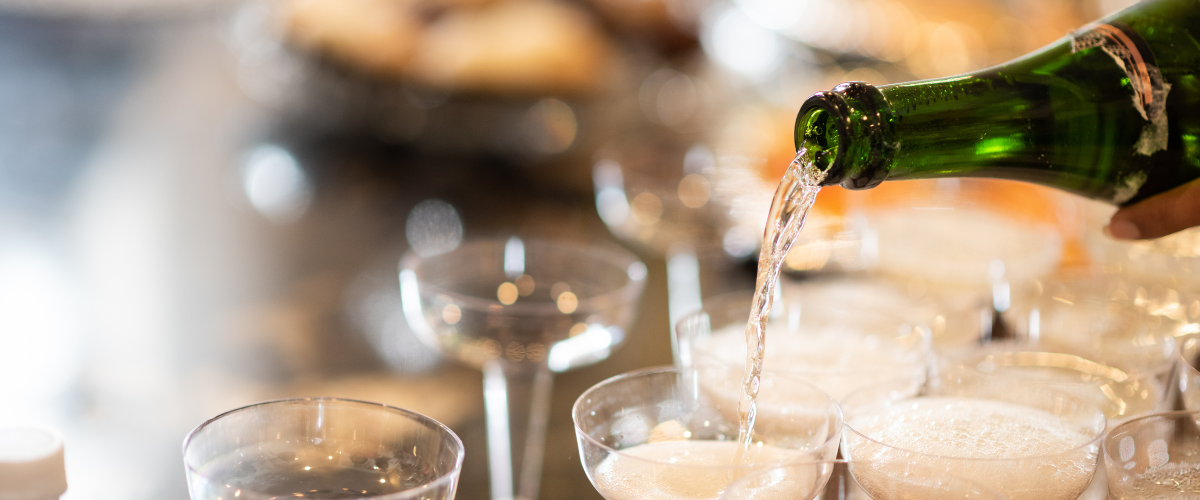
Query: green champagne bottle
[1111, 112]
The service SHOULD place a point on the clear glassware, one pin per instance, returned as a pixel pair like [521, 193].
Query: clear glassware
[1087, 335]
[839, 346]
[322, 448]
[657, 190]
[521, 310]
[962, 242]
[1188, 376]
[1023, 441]
[1156, 456]
[901, 480]
[1170, 263]
[656, 434]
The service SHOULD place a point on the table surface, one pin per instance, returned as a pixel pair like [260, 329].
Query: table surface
[141, 293]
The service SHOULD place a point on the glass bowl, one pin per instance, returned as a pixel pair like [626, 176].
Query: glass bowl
[656, 433]
[322, 448]
[1023, 441]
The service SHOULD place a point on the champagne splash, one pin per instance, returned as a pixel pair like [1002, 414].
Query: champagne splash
[794, 197]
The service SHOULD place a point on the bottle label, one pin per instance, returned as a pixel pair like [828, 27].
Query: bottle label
[1133, 55]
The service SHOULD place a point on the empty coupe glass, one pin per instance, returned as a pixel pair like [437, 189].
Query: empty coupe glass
[521, 310]
[322, 448]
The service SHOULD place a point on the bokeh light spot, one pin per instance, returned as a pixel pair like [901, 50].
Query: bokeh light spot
[451, 314]
[693, 191]
[275, 185]
[433, 228]
[567, 303]
[507, 293]
[525, 285]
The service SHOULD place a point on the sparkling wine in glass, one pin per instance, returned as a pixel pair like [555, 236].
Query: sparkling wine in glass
[1157, 456]
[1025, 441]
[905, 481]
[656, 434]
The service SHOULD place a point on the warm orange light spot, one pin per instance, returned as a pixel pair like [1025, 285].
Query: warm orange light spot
[507, 293]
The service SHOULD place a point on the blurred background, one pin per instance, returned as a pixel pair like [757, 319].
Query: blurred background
[203, 202]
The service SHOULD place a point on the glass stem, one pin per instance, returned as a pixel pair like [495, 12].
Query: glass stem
[517, 402]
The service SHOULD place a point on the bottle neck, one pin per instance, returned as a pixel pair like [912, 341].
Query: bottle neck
[966, 126]
[1061, 117]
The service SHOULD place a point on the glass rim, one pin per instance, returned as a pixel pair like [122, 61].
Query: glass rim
[1166, 415]
[962, 357]
[1097, 439]
[575, 410]
[447, 477]
[1185, 364]
[612, 253]
[923, 358]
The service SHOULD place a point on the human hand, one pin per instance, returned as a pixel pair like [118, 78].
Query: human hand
[1158, 215]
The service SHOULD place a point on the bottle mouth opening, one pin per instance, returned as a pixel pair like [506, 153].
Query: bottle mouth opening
[819, 135]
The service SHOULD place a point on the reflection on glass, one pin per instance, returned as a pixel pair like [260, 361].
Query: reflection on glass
[371, 304]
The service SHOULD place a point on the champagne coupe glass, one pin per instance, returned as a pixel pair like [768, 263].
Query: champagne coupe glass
[656, 190]
[962, 242]
[657, 434]
[521, 310]
[1085, 335]
[821, 340]
[322, 448]
[901, 481]
[1156, 456]
[1023, 441]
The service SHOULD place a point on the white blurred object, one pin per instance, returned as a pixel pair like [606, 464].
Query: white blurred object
[31, 464]
[275, 184]
[433, 228]
[738, 43]
[959, 246]
[41, 329]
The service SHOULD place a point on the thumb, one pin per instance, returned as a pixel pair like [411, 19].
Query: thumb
[1158, 215]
